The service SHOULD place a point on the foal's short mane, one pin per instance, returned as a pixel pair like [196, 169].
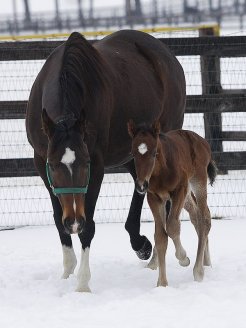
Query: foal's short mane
[83, 76]
[144, 128]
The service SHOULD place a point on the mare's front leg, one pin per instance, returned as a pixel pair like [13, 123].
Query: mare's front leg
[140, 244]
[69, 258]
[96, 177]
[161, 238]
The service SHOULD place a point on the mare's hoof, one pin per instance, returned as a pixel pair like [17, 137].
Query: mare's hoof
[145, 251]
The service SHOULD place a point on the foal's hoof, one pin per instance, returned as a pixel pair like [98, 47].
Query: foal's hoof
[83, 289]
[198, 274]
[153, 265]
[185, 262]
[145, 251]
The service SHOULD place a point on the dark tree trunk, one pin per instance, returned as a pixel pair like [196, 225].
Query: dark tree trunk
[128, 8]
[138, 8]
[91, 10]
[80, 11]
[27, 11]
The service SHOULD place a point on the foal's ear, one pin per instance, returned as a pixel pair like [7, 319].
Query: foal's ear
[48, 125]
[156, 128]
[131, 128]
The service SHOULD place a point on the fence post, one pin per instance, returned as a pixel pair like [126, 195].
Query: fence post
[211, 84]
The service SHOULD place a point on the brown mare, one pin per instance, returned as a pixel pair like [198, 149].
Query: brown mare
[76, 120]
[174, 167]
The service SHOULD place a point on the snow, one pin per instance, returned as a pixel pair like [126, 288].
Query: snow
[123, 290]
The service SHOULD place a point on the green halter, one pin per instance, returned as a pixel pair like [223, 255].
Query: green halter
[75, 190]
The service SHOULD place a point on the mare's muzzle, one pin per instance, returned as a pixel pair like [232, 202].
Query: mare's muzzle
[141, 188]
[67, 190]
[72, 226]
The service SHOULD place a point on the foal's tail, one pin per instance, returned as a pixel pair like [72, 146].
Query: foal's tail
[212, 171]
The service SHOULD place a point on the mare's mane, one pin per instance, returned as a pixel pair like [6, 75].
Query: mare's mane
[82, 77]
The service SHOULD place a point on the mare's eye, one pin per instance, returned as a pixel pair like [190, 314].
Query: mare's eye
[54, 166]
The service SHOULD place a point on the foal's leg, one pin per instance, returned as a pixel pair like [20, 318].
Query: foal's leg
[199, 188]
[191, 207]
[153, 263]
[161, 238]
[173, 224]
[140, 244]
[69, 258]
[97, 172]
[164, 210]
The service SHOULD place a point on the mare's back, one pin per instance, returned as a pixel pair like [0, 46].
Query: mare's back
[133, 43]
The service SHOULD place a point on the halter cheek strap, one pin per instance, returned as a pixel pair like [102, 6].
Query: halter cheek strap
[64, 190]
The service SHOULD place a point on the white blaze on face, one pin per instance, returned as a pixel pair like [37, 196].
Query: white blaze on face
[142, 148]
[68, 158]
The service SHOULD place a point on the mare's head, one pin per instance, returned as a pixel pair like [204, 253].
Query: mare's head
[144, 151]
[68, 168]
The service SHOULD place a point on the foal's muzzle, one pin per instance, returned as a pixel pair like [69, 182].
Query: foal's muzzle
[72, 226]
[142, 188]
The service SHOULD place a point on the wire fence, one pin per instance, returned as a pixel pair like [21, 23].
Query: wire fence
[25, 201]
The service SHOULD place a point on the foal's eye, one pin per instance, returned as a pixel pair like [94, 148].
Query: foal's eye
[155, 154]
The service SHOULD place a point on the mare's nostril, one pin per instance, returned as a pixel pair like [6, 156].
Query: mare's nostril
[68, 223]
[72, 226]
[81, 224]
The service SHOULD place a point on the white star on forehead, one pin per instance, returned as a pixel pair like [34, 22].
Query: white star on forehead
[142, 148]
[68, 158]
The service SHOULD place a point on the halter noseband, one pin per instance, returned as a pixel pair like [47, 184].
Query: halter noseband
[74, 190]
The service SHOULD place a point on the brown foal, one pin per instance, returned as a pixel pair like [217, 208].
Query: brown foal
[173, 169]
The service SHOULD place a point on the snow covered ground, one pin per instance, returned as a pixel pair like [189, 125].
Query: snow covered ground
[123, 290]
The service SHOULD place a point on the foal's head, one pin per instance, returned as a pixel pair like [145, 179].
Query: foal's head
[67, 169]
[144, 151]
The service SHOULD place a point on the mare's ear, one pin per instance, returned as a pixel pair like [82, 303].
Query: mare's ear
[48, 125]
[156, 128]
[131, 128]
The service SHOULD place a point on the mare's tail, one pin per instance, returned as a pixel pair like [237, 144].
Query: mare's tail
[212, 171]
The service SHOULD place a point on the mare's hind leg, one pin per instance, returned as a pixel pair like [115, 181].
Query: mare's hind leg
[69, 258]
[203, 225]
[161, 238]
[173, 224]
[140, 244]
